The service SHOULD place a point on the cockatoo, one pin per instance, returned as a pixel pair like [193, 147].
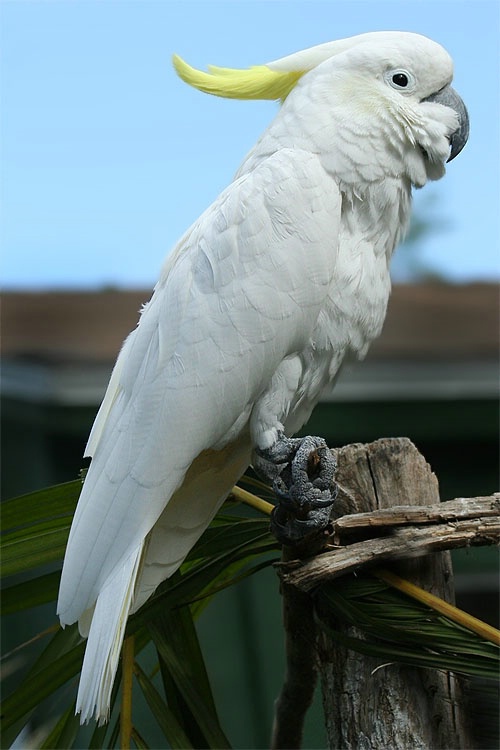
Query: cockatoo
[280, 279]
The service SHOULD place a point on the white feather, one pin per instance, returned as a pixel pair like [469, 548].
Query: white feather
[109, 619]
[257, 306]
[189, 370]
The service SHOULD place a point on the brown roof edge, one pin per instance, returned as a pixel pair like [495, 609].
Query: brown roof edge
[441, 321]
[424, 321]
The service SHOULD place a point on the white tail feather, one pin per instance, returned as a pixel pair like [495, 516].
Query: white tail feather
[105, 640]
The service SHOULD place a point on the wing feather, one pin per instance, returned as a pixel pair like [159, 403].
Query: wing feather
[242, 292]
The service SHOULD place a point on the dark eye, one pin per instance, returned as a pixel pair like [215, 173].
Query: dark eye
[400, 79]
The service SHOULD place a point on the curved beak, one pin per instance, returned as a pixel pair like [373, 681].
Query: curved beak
[448, 97]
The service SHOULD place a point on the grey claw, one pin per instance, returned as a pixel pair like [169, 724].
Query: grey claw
[301, 471]
[281, 452]
[292, 531]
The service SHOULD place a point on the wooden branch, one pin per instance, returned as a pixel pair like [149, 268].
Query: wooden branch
[399, 705]
[451, 510]
[410, 531]
[301, 674]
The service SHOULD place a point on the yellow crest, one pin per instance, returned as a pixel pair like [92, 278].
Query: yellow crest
[257, 82]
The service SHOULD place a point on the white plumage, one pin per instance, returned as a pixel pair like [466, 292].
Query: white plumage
[279, 280]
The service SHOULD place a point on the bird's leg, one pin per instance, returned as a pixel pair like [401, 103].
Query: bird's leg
[301, 471]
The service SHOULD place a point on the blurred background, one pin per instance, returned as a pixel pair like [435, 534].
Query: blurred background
[107, 158]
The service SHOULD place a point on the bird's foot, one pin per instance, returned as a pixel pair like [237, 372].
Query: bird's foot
[301, 471]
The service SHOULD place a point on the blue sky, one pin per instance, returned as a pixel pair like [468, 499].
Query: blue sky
[107, 157]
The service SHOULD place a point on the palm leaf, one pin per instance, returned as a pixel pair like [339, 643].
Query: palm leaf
[35, 533]
[41, 684]
[30, 593]
[235, 546]
[185, 677]
[50, 502]
[64, 732]
[34, 545]
[166, 718]
[210, 565]
[482, 629]
[398, 628]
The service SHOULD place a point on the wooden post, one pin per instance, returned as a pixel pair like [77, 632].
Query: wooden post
[368, 706]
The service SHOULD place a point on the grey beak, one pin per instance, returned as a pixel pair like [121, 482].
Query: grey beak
[448, 97]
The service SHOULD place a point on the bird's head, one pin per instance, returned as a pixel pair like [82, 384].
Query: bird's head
[359, 101]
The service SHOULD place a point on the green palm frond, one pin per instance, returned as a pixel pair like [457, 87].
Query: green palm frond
[395, 627]
[175, 686]
[35, 530]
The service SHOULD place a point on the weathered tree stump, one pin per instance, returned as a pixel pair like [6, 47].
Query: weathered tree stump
[366, 705]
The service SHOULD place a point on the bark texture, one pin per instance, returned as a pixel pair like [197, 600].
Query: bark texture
[369, 706]
[406, 533]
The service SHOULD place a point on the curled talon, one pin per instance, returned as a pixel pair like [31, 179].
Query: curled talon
[301, 471]
[291, 530]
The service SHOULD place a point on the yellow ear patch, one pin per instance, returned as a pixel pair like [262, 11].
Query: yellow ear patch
[258, 82]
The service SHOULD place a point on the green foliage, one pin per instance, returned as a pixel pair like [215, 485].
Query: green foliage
[394, 627]
[35, 533]
[174, 684]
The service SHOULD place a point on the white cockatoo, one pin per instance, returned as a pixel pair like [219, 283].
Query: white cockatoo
[285, 274]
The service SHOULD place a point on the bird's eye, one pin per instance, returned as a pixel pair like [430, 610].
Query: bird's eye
[400, 79]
